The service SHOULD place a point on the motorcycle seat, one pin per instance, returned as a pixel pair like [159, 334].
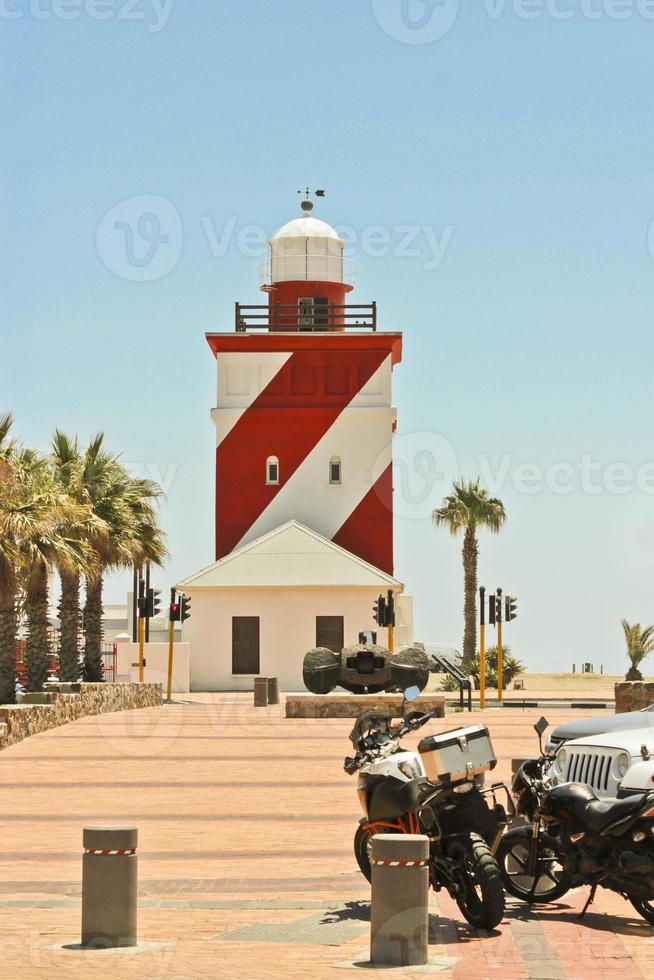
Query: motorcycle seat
[600, 814]
[580, 803]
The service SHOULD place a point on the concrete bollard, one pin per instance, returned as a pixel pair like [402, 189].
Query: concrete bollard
[260, 692]
[273, 690]
[109, 887]
[399, 916]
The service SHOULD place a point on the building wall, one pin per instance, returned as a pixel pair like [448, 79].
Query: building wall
[287, 630]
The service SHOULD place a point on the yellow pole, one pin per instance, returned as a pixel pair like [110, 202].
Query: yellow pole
[171, 643]
[141, 638]
[499, 661]
[482, 666]
[390, 638]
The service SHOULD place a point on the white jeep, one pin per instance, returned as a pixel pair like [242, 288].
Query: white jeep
[603, 761]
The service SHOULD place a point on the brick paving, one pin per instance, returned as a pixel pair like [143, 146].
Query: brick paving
[246, 868]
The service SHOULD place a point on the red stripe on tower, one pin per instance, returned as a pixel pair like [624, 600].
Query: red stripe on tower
[368, 531]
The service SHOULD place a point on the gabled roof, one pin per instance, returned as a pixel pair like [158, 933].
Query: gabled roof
[291, 555]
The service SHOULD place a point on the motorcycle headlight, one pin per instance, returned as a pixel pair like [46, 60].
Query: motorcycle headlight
[623, 762]
[410, 769]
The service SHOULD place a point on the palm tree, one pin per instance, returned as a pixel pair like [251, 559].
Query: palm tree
[640, 643]
[80, 476]
[470, 507]
[126, 506]
[56, 539]
[10, 520]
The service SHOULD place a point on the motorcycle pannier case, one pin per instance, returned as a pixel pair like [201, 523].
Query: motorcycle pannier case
[460, 753]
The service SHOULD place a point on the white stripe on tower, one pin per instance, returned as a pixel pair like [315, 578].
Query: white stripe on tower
[239, 385]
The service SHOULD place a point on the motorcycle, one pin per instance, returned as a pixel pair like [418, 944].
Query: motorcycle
[573, 838]
[407, 792]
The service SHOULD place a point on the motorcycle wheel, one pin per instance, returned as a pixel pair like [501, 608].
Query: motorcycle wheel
[362, 852]
[644, 907]
[512, 855]
[480, 895]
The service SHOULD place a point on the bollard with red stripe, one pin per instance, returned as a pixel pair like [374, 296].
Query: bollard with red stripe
[400, 900]
[109, 887]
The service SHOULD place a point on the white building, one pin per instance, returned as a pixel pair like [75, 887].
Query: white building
[259, 609]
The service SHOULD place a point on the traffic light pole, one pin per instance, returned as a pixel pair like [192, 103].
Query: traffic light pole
[482, 647]
[499, 647]
[171, 644]
[390, 638]
[141, 640]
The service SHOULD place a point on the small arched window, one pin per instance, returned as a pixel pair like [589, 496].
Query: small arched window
[272, 471]
[335, 474]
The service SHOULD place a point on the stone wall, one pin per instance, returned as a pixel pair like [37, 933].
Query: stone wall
[18, 721]
[633, 695]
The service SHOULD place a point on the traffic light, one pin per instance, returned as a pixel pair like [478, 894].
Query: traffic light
[498, 606]
[510, 608]
[142, 604]
[175, 610]
[379, 611]
[186, 607]
[153, 603]
[492, 609]
[390, 609]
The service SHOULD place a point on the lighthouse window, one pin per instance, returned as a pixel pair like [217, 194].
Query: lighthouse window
[334, 470]
[272, 470]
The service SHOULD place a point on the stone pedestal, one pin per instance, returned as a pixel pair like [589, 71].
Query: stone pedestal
[351, 705]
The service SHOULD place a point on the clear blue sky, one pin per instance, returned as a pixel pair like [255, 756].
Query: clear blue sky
[524, 145]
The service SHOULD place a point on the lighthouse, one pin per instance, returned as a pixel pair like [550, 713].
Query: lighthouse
[304, 417]
[304, 425]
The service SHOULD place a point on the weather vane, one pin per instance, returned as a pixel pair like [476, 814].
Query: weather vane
[307, 203]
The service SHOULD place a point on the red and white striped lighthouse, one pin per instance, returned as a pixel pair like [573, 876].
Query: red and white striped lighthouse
[304, 418]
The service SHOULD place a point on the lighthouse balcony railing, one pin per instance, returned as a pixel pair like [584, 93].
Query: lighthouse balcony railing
[321, 317]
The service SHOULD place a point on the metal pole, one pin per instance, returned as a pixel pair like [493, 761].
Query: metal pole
[171, 643]
[499, 647]
[141, 641]
[135, 588]
[482, 647]
[391, 639]
[147, 589]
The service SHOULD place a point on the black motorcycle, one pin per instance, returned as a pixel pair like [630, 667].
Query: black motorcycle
[397, 797]
[573, 838]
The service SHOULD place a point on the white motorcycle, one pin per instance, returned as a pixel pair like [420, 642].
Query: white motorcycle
[434, 791]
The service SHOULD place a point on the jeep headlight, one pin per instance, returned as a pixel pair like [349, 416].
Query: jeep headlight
[561, 759]
[623, 762]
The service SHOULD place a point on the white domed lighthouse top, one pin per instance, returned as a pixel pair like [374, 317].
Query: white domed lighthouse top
[305, 249]
[306, 227]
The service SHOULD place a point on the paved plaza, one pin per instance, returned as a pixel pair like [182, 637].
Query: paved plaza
[245, 855]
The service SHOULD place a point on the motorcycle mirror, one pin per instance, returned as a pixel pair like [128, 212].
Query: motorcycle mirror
[541, 726]
[412, 693]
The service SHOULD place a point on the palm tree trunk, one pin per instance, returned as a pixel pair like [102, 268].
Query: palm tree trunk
[69, 615]
[8, 628]
[470, 554]
[37, 649]
[92, 622]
